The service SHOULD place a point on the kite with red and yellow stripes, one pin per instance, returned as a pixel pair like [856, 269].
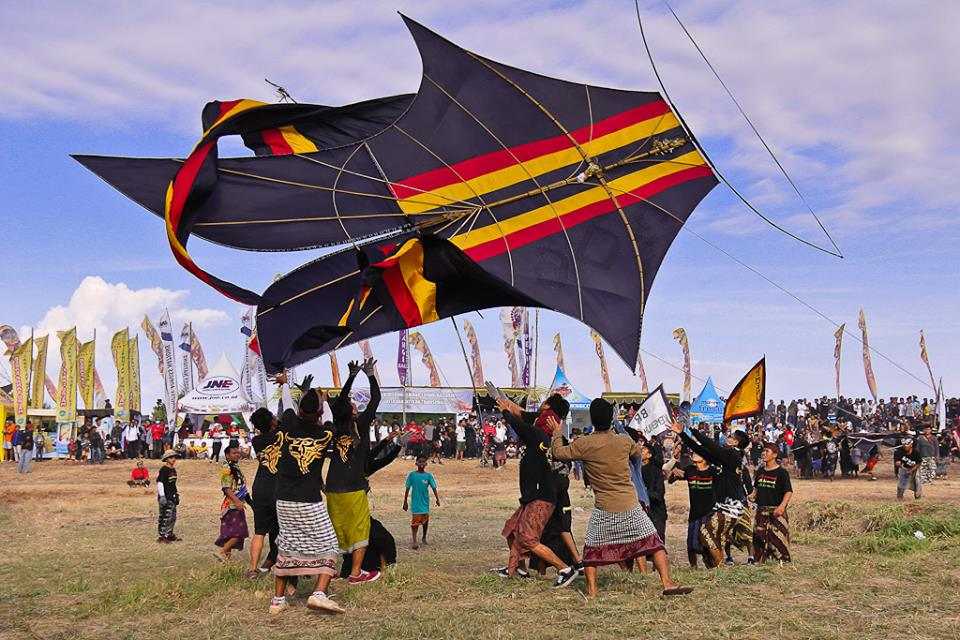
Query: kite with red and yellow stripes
[491, 186]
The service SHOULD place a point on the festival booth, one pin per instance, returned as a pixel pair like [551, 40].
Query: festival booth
[220, 392]
[708, 406]
[579, 403]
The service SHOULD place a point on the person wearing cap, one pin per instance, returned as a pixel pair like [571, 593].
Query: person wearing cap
[619, 530]
[167, 497]
[772, 492]
[307, 543]
[723, 529]
[538, 489]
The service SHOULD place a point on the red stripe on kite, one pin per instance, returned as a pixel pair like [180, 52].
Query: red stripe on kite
[226, 106]
[576, 217]
[481, 165]
[277, 143]
[402, 297]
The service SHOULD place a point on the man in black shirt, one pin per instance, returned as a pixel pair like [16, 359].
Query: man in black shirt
[307, 544]
[264, 490]
[906, 462]
[538, 489]
[168, 498]
[772, 492]
[347, 485]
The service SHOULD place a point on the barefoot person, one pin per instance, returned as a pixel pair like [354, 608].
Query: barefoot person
[167, 497]
[772, 493]
[307, 544]
[233, 517]
[538, 489]
[420, 482]
[347, 485]
[619, 530]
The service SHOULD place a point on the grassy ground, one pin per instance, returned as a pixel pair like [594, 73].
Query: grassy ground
[78, 560]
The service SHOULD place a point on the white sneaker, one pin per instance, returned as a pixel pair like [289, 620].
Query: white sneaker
[318, 601]
[277, 607]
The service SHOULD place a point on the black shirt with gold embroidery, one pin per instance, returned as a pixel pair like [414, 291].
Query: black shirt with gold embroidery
[349, 448]
[301, 447]
[267, 446]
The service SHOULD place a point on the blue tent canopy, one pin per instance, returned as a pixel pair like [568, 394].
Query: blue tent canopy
[562, 386]
[708, 407]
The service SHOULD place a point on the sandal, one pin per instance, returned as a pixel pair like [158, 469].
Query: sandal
[677, 591]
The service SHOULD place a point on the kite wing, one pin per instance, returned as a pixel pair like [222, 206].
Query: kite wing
[491, 186]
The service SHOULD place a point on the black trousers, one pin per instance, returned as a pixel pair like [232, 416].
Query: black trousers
[217, 445]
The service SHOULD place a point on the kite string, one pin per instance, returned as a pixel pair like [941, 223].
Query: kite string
[753, 127]
[713, 166]
[684, 227]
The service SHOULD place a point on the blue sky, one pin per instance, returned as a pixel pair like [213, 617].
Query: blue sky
[853, 96]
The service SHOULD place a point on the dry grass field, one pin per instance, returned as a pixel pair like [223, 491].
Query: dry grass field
[79, 560]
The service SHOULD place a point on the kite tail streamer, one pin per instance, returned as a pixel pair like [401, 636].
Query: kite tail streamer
[335, 370]
[367, 352]
[867, 366]
[39, 372]
[604, 373]
[168, 368]
[680, 335]
[476, 368]
[509, 341]
[836, 354]
[558, 349]
[156, 344]
[196, 352]
[418, 342]
[926, 360]
[642, 374]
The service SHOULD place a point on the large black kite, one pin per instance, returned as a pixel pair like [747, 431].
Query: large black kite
[491, 186]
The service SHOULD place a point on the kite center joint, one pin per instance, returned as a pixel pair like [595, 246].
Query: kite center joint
[593, 171]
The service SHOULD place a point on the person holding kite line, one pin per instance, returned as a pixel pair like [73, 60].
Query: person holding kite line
[619, 530]
[347, 484]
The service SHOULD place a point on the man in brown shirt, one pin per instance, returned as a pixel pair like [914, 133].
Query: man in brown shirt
[619, 530]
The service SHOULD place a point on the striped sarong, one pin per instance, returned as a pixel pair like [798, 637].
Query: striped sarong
[771, 536]
[307, 543]
[614, 537]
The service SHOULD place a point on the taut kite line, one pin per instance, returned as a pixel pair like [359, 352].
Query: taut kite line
[491, 186]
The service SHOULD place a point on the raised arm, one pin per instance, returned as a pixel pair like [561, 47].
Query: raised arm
[365, 418]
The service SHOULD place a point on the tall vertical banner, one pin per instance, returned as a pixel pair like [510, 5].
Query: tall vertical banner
[196, 352]
[99, 393]
[867, 366]
[85, 366]
[254, 373]
[520, 318]
[120, 347]
[604, 372]
[186, 363]
[641, 374]
[367, 352]
[133, 386]
[418, 342]
[476, 365]
[680, 335]
[20, 361]
[39, 372]
[926, 360]
[67, 383]
[156, 344]
[558, 349]
[941, 408]
[403, 359]
[836, 354]
[168, 367]
[335, 370]
[509, 348]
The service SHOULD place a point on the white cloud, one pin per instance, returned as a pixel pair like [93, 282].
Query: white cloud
[103, 308]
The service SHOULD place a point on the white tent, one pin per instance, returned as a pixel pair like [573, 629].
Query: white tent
[219, 392]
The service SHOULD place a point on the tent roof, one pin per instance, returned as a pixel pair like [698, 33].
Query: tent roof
[563, 386]
[707, 407]
[219, 392]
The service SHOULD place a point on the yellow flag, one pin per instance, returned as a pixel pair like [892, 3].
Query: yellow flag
[133, 388]
[20, 361]
[85, 366]
[747, 397]
[120, 346]
[39, 372]
[67, 383]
